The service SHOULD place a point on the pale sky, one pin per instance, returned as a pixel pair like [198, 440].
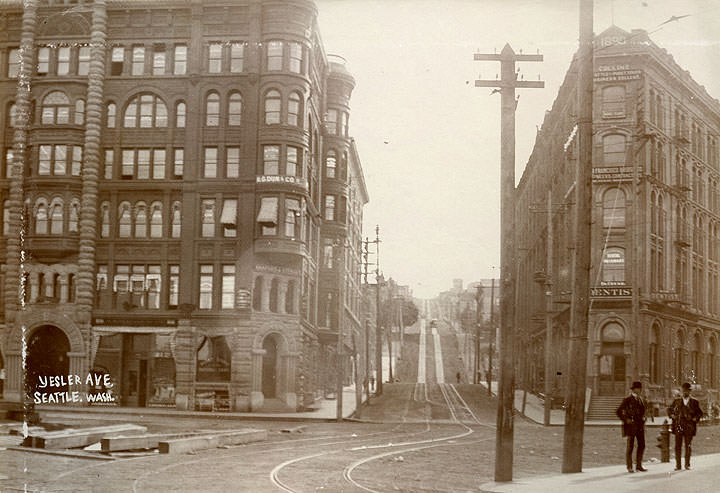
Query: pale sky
[429, 141]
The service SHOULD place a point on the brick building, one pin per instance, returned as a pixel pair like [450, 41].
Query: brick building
[170, 173]
[655, 290]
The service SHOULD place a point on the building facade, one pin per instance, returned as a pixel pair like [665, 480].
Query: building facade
[655, 300]
[165, 198]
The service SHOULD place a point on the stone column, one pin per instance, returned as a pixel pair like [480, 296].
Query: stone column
[282, 292]
[64, 281]
[13, 390]
[185, 366]
[265, 299]
[256, 395]
[79, 366]
[288, 362]
[35, 288]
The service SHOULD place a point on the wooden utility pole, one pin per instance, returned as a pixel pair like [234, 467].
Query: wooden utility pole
[378, 329]
[580, 307]
[340, 341]
[549, 367]
[492, 334]
[507, 84]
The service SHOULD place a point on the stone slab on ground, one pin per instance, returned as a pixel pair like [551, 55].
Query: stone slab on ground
[191, 444]
[136, 442]
[81, 437]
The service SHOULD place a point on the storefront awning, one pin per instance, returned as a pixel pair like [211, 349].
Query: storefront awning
[268, 211]
[229, 213]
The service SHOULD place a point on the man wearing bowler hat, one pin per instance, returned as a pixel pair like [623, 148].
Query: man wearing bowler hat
[632, 413]
[685, 413]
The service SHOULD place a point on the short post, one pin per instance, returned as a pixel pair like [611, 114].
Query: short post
[664, 442]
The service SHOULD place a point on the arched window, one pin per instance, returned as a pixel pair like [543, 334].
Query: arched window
[272, 107]
[654, 356]
[294, 110]
[145, 111]
[330, 164]
[124, 220]
[105, 220]
[156, 222]
[257, 294]
[235, 109]
[696, 358]
[614, 150]
[111, 115]
[55, 109]
[180, 110]
[661, 216]
[614, 208]
[140, 220]
[679, 359]
[74, 216]
[56, 218]
[13, 115]
[274, 290]
[212, 110]
[80, 112]
[613, 266]
[712, 363]
[176, 221]
[41, 218]
[71, 288]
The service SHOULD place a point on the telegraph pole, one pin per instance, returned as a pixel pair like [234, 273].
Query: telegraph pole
[492, 333]
[378, 329]
[507, 84]
[340, 342]
[580, 307]
[548, 315]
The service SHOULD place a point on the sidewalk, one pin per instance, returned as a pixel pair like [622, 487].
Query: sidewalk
[704, 477]
[326, 411]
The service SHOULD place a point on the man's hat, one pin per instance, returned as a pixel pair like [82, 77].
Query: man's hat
[636, 385]
[686, 386]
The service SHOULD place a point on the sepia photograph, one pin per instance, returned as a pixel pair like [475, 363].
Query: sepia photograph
[360, 245]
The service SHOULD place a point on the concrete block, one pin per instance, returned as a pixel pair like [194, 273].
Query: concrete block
[190, 444]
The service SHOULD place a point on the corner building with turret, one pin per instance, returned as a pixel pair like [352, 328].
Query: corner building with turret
[172, 172]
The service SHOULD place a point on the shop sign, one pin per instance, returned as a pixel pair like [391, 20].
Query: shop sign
[273, 269]
[612, 174]
[616, 73]
[610, 292]
[292, 180]
[666, 296]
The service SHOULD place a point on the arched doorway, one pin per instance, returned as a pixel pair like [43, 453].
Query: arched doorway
[46, 356]
[612, 359]
[269, 368]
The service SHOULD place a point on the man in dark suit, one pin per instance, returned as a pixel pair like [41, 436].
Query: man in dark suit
[685, 413]
[632, 413]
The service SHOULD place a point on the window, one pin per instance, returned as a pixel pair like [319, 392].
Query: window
[296, 57]
[272, 107]
[228, 286]
[212, 110]
[158, 164]
[56, 218]
[83, 60]
[330, 164]
[210, 162]
[180, 115]
[140, 284]
[179, 162]
[174, 286]
[156, 221]
[111, 114]
[232, 162]
[237, 52]
[74, 217]
[235, 109]
[43, 61]
[215, 58]
[271, 159]
[292, 208]
[117, 60]
[613, 102]
[79, 112]
[55, 109]
[13, 115]
[76, 163]
[13, 63]
[140, 220]
[143, 164]
[146, 111]
[293, 114]
[53, 159]
[291, 161]
[344, 124]
[613, 266]
[207, 214]
[138, 60]
[9, 155]
[614, 208]
[329, 207]
[328, 253]
[180, 60]
[331, 122]
[268, 215]
[105, 220]
[41, 218]
[206, 287]
[176, 221]
[124, 221]
[274, 55]
[63, 63]
[159, 60]
[614, 150]
[257, 294]
[228, 218]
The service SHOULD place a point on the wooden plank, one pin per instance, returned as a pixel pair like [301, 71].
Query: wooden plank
[183, 445]
[112, 444]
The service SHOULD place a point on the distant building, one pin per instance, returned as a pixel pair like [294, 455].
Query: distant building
[177, 170]
[655, 285]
